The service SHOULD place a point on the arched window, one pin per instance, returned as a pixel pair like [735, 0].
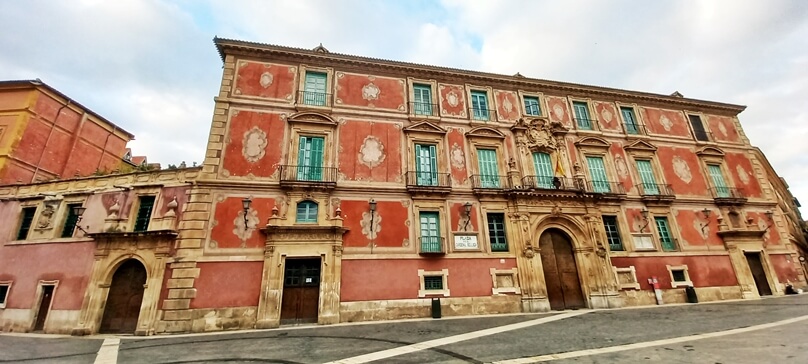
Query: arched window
[307, 211]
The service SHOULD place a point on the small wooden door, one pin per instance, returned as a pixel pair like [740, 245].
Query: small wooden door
[301, 291]
[560, 271]
[44, 308]
[125, 298]
[756, 266]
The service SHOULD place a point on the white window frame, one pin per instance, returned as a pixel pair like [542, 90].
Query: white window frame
[423, 292]
[4, 299]
[631, 270]
[513, 272]
[676, 284]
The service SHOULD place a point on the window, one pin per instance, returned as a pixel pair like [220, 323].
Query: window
[649, 186]
[544, 170]
[721, 189]
[430, 233]
[26, 219]
[630, 120]
[426, 168]
[432, 283]
[612, 233]
[4, 288]
[422, 96]
[306, 211]
[597, 171]
[698, 128]
[532, 106]
[489, 173]
[581, 110]
[679, 276]
[70, 221]
[144, 213]
[310, 159]
[314, 89]
[479, 105]
[496, 232]
[664, 232]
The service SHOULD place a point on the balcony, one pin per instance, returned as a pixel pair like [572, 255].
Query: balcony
[551, 183]
[728, 196]
[312, 98]
[429, 182]
[605, 188]
[486, 183]
[431, 245]
[308, 176]
[585, 124]
[656, 193]
[424, 110]
[485, 115]
[633, 129]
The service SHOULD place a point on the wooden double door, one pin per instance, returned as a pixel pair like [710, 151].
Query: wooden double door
[560, 271]
[124, 299]
[758, 273]
[301, 291]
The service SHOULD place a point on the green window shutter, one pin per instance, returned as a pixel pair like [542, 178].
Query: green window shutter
[306, 211]
[422, 99]
[630, 120]
[532, 106]
[664, 231]
[310, 159]
[489, 173]
[70, 222]
[144, 213]
[496, 232]
[426, 167]
[26, 220]
[598, 173]
[612, 233]
[479, 105]
[430, 232]
[433, 283]
[721, 188]
[649, 186]
[582, 115]
[544, 170]
[315, 89]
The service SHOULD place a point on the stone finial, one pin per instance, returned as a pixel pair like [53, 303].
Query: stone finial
[321, 49]
[172, 207]
[275, 211]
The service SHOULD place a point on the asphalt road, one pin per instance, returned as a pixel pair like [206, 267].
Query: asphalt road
[636, 335]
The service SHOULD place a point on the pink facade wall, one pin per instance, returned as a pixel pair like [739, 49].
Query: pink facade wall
[245, 128]
[457, 156]
[610, 119]
[227, 284]
[370, 151]
[265, 80]
[452, 101]
[622, 166]
[390, 224]
[228, 222]
[371, 91]
[682, 171]
[704, 271]
[558, 110]
[509, 106]
[784, 268]
[740, 167]
[690, 223]
[723, 129]
[666, 122]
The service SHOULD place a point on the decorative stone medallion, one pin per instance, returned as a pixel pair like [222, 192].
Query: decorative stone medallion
[244, 231]
[682, 170]
[254, 145]
[666, 123]
[703, 230]
[370, 92]
[743, 175]
[371, 153]
[507, 104]
[620, 166]
[266, 79]
[722, 128]
[458, 158]
[365, 223]
[452, 98]
[558, 112]
[607, 115]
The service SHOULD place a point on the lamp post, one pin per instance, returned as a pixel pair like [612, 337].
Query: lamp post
[644, 213]
[769, 216]
[372, 206]
[706, 212]
[245, 205]
[78, 211]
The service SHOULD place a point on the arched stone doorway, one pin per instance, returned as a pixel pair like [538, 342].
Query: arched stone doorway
[125, 298]
[560, 271]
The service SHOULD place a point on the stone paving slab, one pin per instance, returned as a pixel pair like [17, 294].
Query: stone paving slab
[15, 349]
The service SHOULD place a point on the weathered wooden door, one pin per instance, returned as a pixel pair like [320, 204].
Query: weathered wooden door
[301, 291]
[44, 308]
[124, 299]
[756, 266]
[560, 271]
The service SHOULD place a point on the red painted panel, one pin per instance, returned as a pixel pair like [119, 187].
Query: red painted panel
[509, 107]
[47, 107]
[636, 221]
[94, 134]
[621, 165]
[723, 129]
[87, 164]
[608, 117]
[682, 170]
[743, 174]
[370, 151]
[364, 280]
[240, 280]
[558, 110]
[690, 223]
[573, 152]
[666, 122]
[13, 173]
[167, 195]
[265, 80]
[56, 151]
[704, 271]
[371, 91]
[452, 100]
[14, 99]
[761, 221]
[457, 212]
[247, 124]
[30, 146]
[229, 215]
[25, 265]
[390, 224]
[457, 156]
[784, 267]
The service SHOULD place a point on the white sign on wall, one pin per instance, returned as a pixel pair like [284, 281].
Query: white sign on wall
[467, 242]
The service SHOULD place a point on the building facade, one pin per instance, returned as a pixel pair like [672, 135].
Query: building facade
[338, 188]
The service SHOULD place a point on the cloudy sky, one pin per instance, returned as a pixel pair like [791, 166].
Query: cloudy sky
[150, 66]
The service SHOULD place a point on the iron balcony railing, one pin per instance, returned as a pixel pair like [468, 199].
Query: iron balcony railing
[552, 183]
[294, 173]
[431, 244]
[428, 179]
[727, 192]
[423, 109]
[314, 98]
[488, 181]
[585, 124]
[480, 114]
[634, 129]
[607, 187]
[654, 189]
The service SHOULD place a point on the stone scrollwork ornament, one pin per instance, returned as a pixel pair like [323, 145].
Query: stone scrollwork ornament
[540, 133]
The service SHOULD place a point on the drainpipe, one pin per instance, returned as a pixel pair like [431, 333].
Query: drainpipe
[104, 150]
[42, 155]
